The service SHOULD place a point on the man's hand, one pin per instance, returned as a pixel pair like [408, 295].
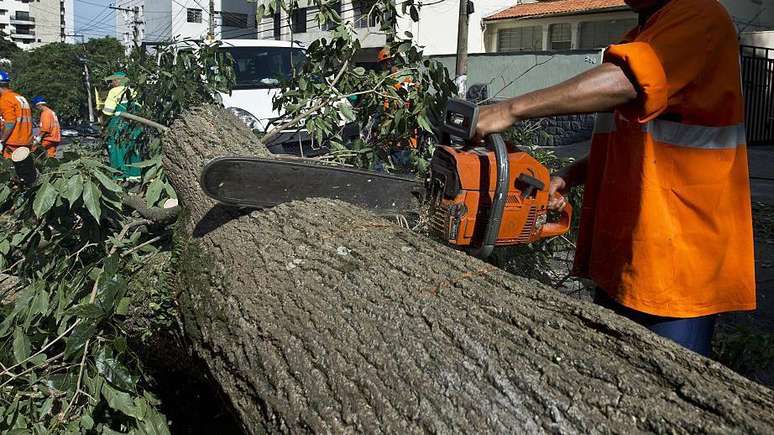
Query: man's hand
[557, 185]
[494, 118]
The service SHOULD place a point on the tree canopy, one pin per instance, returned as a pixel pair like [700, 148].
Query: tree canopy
[55, 71]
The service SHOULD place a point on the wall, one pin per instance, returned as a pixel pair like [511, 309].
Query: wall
[22, 35]
[492, 27]
[48, 21]
[512, 74]
[758, 39]
[751, 15]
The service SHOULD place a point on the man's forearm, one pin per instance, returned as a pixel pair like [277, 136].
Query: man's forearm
[601, 89]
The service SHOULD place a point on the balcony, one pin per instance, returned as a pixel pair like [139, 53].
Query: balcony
[23, 34]
[23, 19]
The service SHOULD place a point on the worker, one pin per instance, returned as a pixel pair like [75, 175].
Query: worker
[666, 227]
[121, 136]
[50, 135]
[401, 147]
[17, 118]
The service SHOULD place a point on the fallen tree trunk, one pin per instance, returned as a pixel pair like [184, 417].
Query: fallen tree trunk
[317, 316]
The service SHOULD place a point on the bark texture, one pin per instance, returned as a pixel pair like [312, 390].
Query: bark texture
[317, 316]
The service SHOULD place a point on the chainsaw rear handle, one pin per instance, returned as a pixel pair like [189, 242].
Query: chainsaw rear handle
[553, 229]
[496, 142]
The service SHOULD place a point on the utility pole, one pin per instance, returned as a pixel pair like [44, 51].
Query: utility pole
[135, 23]
[211, 22]
[460, 73]
[88, 89]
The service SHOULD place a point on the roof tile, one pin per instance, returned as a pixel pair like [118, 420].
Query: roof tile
[559, 7]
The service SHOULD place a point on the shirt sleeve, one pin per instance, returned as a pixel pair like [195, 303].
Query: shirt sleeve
[45, 122]
[111, 101]
[666, 57]
[8, 111]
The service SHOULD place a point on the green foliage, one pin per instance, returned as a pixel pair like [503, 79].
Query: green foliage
[330, 89]
[56, 72]
[548, 260]
[66, 366]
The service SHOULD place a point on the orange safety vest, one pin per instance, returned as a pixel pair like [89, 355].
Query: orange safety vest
[49, 123]
[666, 224]
[15, 108]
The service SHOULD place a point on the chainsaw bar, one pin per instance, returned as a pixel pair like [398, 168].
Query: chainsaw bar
[261, 183]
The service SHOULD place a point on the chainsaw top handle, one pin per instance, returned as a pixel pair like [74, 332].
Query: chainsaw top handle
[460, 120]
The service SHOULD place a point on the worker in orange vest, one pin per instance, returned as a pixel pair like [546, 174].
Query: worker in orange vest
[50, 135]
[17, 118]
[666, 226]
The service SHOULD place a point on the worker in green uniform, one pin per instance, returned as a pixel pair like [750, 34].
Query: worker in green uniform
[121, 136]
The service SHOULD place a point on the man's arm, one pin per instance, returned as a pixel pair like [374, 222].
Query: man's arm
[601, 89]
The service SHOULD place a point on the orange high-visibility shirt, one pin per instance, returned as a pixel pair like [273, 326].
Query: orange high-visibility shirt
[15, 108]
[49, 123]
[666, 225]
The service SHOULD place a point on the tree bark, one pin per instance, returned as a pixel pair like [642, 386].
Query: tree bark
[318, 316]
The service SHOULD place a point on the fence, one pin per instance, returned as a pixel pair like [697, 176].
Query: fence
[758, 88]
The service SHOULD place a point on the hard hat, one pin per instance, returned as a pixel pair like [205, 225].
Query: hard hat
[4, 77]
[38, 100]
[384, 54]
[118, 75]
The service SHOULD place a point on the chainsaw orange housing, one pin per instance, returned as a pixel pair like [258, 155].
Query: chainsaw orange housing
[462, 186]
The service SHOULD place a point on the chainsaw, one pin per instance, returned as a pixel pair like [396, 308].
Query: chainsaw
[478, 196]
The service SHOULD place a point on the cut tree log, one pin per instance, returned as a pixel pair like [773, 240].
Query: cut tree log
[317, 316]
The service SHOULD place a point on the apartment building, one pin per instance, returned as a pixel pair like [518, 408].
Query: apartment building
[33, 23]
[150, 22]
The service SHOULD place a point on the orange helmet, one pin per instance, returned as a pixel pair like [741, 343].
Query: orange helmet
[384, 54]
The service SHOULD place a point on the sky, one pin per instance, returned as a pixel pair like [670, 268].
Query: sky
[93, 19]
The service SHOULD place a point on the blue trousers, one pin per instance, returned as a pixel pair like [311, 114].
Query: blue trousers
[693, 333]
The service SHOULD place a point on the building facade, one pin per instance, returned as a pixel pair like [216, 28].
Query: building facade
[31, 24]
[153, 21]
[436, 29]
[588, 24]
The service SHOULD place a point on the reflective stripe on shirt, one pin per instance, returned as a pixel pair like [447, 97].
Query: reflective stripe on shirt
[679, 134]
[696, 136]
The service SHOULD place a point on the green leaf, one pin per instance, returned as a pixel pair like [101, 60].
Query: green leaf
[121, 401]
[91, 196]
[123, 306]
[5, 192]
[77, 339]
[346, 110]
[414, 12]
[21, 345]
[44, 199]
[107, 182]
[154, 192]
[5, 247]
[73, 189]
[87, 422]
[154, 423]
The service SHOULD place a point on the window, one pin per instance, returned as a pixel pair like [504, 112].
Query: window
[560, 36]
[361, 10]
[264, 67]
[277, 25]
[298, 21]
[520, 38]
[600, 34]
[233, 19]
[331, 25]
[194, 15]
